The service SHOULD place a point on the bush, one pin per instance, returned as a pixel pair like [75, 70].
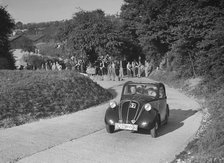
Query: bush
[30, 95]
[170, 78]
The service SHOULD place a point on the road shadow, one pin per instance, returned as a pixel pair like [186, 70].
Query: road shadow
[175, 121]
[177, 116]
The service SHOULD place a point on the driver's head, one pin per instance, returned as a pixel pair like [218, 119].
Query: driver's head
[133, 90]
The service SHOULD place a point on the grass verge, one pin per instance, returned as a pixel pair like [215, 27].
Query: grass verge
[27, 96]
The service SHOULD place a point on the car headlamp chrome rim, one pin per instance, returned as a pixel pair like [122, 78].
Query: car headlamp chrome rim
[148, 107]
[113, 104]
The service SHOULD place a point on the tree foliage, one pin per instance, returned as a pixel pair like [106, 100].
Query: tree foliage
[34, 60]
[184, 31]
[50, 30]
[6, 58]
[51, 49]
[91, 34]
[149, 24]
[26, 44]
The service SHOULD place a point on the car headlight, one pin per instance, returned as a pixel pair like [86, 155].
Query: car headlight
[113, 104]
[148, 107]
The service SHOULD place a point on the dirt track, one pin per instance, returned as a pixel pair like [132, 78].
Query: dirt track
[81, 137]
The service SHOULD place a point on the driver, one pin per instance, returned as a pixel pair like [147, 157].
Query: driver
[133, 90]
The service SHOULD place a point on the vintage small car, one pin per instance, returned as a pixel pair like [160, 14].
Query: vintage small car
[142, 106]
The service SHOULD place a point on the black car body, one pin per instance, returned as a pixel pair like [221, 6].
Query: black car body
[142, 106]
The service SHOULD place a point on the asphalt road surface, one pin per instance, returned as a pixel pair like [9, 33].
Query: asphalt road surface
[82, 138]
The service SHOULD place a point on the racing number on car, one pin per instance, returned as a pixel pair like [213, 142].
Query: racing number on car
[132, 105]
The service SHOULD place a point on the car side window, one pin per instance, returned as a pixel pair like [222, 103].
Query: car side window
[161, 92]
[126, 90]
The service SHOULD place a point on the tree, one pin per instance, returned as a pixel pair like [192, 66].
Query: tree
[6, 58]
[91, 34]
[34, 60]
[211, 55]
[194, 26]
[19, 25]
[173, 28]
[25, 44]
[131, 48]
[148, 23]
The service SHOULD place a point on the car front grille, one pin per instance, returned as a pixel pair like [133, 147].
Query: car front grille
[128, 112]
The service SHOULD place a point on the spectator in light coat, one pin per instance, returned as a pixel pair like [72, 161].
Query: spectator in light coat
[113, 73]
[109, 72]
[146, 68]
[121, 72]
[134, 65]
[128, 69]
[139, 69]
[53, 66]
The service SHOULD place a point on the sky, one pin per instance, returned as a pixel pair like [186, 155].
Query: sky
[35, 11]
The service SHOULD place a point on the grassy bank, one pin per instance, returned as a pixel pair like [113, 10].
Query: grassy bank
[208, 145]
[27, 96]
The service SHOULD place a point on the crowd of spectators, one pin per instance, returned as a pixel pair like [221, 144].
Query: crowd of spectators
[112, 68]
[119, 68]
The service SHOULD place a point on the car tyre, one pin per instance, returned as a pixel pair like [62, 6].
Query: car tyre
[154, 130]
[109, 128]
[167, 114]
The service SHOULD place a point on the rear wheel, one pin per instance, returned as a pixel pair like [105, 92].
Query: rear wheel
[154, 130]
[109, 128]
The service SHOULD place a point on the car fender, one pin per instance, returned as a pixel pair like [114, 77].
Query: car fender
[147, 119]
[111, 116]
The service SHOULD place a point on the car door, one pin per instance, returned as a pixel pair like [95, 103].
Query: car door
[162, 102]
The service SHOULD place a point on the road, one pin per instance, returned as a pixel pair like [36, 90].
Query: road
[81, 137]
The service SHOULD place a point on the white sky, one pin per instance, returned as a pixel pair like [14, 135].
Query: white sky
[35, 11]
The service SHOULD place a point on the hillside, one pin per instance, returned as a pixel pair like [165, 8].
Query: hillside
[28, 96]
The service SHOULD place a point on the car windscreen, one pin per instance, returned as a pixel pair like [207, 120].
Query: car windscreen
[140, 89]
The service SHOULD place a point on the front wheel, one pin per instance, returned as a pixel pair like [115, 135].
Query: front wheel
[109, 128]
[167, 114]
[154, 130]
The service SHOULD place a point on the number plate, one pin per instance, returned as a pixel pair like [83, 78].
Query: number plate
[132, 105]
[126, 126]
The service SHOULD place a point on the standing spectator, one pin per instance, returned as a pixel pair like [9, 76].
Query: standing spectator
[59, 67]
[78, 65]
[134, 66]
[113, 73]
[117, 68]
[42, 66]
[82, 66]
[146, 68]
[129, 69]
[139, 69]
[109, 68]
[150, 67]
[121, 72]
[53, 66]
[46, 66]
[21, 67]
[104, 69]
[50, 65]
